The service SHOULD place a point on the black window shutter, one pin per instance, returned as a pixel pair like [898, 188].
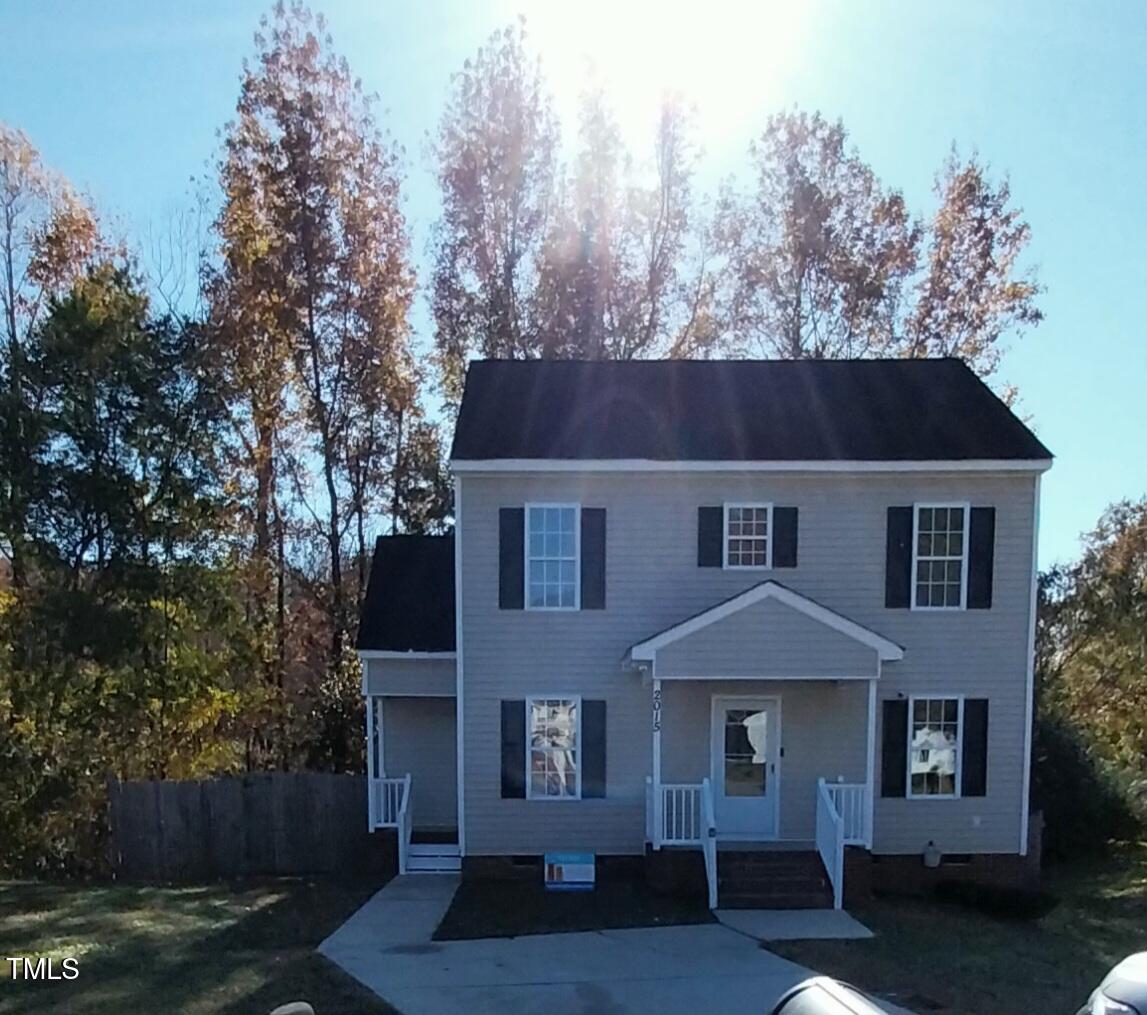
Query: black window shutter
[784, 537]
[513, 749]
[593, 748]
[710, 535]
[898, 559]
[981, 554]
[974, 757]
[894, 748]
[511, 562]
[593, 558]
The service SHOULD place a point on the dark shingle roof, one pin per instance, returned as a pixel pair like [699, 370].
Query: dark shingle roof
[736, 410]
[409, 604]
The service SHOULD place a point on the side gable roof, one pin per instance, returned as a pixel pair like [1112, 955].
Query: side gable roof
[409, 605]
[885, 649]
[892, 410]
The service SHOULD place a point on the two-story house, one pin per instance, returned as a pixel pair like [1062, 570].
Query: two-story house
[716, 610]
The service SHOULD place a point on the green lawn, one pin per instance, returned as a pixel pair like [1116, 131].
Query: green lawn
[210, 948]
[944, 959]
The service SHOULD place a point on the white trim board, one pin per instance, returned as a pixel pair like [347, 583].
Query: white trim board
[373, 653]
[885, 649]
[1029, 686]
[458, 466]
[459, 700]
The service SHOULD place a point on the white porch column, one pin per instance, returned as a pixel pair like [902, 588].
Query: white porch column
[370, 773]
[870, 774]
[378, 737]
[657, 802]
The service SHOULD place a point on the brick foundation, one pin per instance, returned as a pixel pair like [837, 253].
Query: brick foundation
[677, 872]
[907, 875]
[529, 868]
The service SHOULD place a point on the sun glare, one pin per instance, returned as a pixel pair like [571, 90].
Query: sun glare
[727, 57]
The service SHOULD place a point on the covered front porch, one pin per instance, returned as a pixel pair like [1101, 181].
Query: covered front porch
[764, 711]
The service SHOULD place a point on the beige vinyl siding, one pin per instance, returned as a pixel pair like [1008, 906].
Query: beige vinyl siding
[820, 736]
[766, 639]
[653, 582]
[411, 677]
[419, 739]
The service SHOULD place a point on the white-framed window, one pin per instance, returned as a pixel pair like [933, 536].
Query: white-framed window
[939, 556]
[935, 727]
[553, 747]
[553, 556]
[748, 535]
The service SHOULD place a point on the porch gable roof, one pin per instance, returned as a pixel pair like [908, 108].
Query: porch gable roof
[886, 650]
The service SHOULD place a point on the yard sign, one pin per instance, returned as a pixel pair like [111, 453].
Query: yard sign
[569, 872]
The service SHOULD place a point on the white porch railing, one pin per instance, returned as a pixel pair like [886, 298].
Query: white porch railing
[709, 842]
[830, 840]
[386, 798]
[681, 814]
[681, 818]
[851, 802]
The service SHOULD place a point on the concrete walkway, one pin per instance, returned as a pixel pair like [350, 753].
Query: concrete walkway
[709, 967]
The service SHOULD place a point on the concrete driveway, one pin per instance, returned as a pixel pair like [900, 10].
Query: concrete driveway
[664, 970]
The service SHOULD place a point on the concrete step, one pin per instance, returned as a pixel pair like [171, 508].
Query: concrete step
[434, 849]
[433, 864]
[433, 858]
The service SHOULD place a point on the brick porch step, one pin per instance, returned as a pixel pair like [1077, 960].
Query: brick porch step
[772, 880]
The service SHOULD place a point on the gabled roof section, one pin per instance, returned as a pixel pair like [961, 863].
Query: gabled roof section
[886, 650]
[893, 410]
[409, 605]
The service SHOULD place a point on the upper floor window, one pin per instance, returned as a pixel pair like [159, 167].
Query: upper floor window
[552, 556]
[748, 535]
[934, 746]
[552, 740]
[940, 556]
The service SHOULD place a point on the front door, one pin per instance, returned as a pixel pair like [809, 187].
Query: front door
[746, 750]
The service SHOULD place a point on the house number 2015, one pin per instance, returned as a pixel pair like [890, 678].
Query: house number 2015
[657, 710]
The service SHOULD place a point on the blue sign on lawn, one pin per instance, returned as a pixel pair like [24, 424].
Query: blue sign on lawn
[569, 872]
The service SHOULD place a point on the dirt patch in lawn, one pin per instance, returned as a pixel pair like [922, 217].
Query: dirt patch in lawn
[513, 908]
[933, 957]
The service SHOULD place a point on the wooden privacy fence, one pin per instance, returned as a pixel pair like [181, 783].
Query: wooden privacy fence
[262, 824]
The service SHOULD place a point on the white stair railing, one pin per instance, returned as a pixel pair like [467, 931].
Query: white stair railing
[709, 841]
[850, 800]
[830, 840]
[403, 825]
[650, 817]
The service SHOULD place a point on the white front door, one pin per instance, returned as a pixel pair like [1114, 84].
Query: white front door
[746, 751]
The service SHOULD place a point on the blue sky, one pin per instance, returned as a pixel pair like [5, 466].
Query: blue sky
[126, 97]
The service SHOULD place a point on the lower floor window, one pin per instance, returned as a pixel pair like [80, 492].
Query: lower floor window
[934, 746]
[552, 739]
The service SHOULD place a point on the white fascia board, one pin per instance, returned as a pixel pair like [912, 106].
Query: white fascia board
[886, 650]
[1019, 465]
[370, 653]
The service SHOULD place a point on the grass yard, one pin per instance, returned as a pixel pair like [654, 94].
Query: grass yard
[209, 948]
[514, 908]
[945, 959]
